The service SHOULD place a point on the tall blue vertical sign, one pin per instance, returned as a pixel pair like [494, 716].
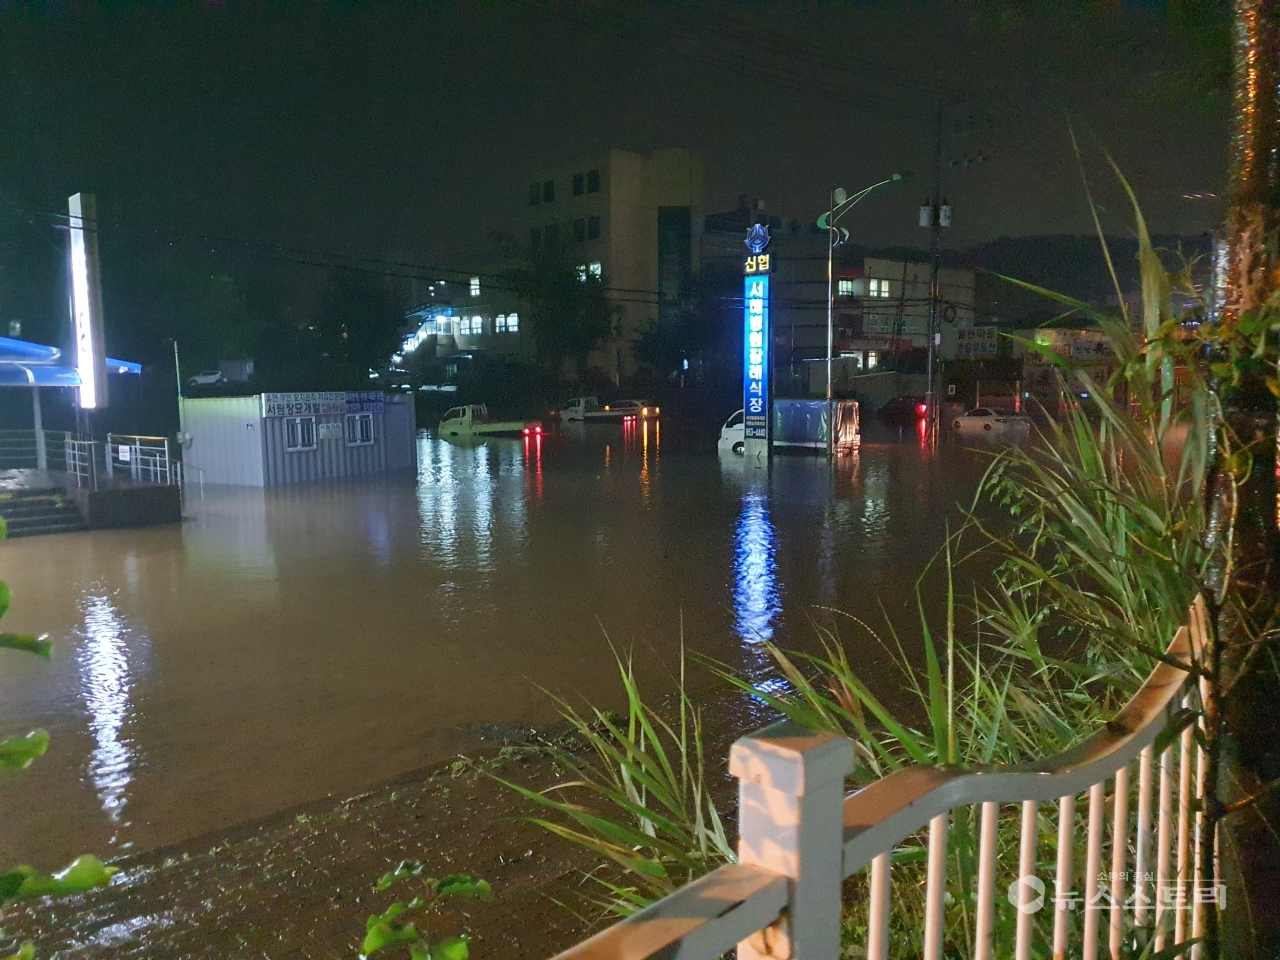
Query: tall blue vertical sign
[755, 335]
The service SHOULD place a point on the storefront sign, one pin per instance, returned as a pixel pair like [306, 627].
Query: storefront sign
[755, 336]
[977, 342]
[303, 404]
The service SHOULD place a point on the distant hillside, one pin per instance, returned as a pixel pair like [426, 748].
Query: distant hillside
[1070, 265]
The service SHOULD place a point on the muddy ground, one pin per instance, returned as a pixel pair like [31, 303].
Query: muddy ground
[300, 884]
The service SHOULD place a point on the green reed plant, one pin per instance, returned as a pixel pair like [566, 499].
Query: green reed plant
[637, 794]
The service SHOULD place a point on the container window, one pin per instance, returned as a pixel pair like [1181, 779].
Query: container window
[359, 429]
[299, 434]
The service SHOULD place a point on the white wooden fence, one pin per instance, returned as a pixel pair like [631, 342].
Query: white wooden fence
[800, 837]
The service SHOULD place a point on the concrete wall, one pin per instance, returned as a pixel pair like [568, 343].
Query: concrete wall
[226, 444]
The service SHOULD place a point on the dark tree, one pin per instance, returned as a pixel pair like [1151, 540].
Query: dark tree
[570, 313]
[358, 325]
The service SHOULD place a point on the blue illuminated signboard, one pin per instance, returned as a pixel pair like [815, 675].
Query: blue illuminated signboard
[755, 336]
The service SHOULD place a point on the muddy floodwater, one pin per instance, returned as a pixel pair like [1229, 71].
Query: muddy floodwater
[285, 645]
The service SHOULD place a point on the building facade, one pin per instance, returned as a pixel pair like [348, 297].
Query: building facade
[466, 318]
[636, 220]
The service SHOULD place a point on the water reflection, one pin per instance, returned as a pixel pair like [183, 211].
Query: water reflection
[756, 596]
[105, 684]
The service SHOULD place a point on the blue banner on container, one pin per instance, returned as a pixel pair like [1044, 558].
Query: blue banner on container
[755, 344]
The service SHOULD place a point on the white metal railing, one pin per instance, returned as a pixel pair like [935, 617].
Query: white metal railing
[81, 463]
[800, 837]
[142, 459]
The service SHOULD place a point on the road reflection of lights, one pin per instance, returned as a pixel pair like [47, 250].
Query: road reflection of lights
[644, 461]
[483, 510]
[438, 502]
[105, 685]
[756, 600]
[533, 464]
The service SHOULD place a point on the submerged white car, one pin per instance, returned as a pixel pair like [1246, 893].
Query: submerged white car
[982, 420]
[733, 435]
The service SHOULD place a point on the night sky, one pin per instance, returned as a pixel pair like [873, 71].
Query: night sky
[409, 132]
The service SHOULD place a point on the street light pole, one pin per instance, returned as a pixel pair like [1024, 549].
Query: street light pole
[841, 203]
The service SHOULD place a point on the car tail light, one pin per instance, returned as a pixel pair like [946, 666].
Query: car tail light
[921, 409]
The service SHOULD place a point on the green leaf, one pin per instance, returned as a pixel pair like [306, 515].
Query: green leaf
[40, 645]
[28, 950]
[460, 885]
[86, 872]
[6, 596]
[419, 951]
[406, 869]
[451, 948]
[10, 884]
[382, 930]
[18, 752]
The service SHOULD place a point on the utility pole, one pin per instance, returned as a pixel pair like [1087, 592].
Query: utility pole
[935, 231]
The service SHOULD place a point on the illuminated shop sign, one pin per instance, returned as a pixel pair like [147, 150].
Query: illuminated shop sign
[86, 301]
[755, 336]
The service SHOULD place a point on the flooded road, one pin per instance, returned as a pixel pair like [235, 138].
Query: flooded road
[280, 646]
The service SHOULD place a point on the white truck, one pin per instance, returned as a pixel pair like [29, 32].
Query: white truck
[472, 420]
[588, 410]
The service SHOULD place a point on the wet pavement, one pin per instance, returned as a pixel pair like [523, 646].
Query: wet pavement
[284, 646]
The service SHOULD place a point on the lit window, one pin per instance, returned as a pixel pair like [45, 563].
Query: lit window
[872, 359]
[844, 288]
[877, 288]
[535, 194]
[506, 323]
[548, 191]
[579, 230]
[593, 228]
[359, 429]
[513, 323]
[475, 286]
[593, 268]
[582, 272]
[577, 184]
[299, 434]
[593, 181]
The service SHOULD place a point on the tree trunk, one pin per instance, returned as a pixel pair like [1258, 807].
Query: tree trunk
[1245, 574]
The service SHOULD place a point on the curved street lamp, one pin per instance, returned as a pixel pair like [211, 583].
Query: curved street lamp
[841, 203]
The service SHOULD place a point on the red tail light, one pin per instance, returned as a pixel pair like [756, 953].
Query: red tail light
[921, 409]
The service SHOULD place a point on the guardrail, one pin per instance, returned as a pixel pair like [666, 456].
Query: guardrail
[143, 459]
[800, 837]
[21, 450]
[81, 461]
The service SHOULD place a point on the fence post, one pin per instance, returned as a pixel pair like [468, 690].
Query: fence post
[110, 465]
[791, 821]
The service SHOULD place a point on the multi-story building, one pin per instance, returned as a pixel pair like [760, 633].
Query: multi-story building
[463, 319]
[635, 220]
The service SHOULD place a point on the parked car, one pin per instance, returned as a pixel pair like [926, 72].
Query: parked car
[903, 410]
[642, 409]
[733, 435]
[206, 378]
[985, 420]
